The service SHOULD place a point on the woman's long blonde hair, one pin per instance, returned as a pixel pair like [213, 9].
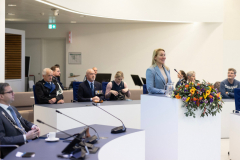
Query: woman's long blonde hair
[155, 53]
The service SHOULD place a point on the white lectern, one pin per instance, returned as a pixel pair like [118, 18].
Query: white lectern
[170, 135]
[234, 136]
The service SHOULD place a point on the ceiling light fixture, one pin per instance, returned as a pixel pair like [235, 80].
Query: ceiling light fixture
[11, 14]
[85, 14]
[12, 5]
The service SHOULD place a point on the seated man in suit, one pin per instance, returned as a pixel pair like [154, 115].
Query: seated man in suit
[47, 90]
[86, 90]
[14, 129]
[56, 75]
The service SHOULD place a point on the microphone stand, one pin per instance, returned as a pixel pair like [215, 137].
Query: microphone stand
[116, 130]
[98, 138]
[80, 140]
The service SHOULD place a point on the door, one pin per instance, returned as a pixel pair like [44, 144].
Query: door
[34, 50]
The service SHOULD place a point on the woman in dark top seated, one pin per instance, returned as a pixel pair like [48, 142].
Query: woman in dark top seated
[182, 78]
[117, 89]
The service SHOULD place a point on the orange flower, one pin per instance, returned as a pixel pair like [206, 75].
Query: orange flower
[200, 98]
[198, 84]
[194, 99]
[210, 96]
[186, 85]
[198, 103]
[177, 96]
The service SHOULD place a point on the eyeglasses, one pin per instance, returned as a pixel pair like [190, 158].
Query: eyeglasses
[10, 92]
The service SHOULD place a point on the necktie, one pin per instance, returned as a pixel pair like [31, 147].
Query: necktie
[92, 89]
[15, 118]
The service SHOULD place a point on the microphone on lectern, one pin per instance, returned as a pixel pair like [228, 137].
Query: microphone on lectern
[116, 130]
[98, 138]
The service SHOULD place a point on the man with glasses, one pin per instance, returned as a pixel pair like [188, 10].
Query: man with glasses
[47, 90]
[14, 129]
[87, 89]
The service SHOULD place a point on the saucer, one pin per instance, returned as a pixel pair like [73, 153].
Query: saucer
[52, 140]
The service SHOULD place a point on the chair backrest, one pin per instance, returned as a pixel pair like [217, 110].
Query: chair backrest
[75, 90]
[104, 86]
[237, 99]
[145, 89]
[35, 97]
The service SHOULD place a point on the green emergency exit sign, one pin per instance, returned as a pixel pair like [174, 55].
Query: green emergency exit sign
[51, 26]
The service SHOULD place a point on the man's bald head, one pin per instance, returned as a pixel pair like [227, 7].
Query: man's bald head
[90, 74]
[47, 74]
[95, 69]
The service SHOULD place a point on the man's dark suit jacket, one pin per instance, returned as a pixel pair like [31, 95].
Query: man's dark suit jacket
[85, 93]
[43, 93]
[9, 135]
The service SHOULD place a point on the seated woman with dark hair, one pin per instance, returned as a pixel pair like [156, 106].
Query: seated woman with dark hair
[182, 78]
[217, 86]
[117, 89]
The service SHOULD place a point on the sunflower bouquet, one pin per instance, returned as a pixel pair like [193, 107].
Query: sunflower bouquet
[199, 96]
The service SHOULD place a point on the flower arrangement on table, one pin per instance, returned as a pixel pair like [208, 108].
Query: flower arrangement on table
[201, 96]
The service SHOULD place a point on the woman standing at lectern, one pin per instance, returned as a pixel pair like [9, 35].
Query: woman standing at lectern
[158, 75]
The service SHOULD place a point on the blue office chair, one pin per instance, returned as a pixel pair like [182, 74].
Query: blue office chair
[75, 91]
[104, 86]
[35, 97]
[237, 99]
[145, 89]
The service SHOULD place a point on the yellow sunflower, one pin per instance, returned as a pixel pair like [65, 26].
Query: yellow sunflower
[208, 92]
[192, 91]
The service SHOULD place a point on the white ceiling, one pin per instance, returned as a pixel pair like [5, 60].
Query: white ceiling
[30, 11]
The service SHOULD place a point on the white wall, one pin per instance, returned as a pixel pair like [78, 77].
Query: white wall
[2, 40]
[18, 85]
[231, 34]
[149, 10]
[129, 47]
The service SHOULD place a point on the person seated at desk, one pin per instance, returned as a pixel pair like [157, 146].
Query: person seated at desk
[86, 90]
[191, 76]
[182, 78]
[228, 85]
[56, 75]
[14, 129]
[158, 75]
[47, 90]
[117, 89]
[95, 71]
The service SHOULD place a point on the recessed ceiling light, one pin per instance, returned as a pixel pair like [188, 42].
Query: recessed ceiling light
[73, 22]
[12, 5]
[11, 14]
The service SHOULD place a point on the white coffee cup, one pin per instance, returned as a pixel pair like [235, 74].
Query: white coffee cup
[51, 135]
